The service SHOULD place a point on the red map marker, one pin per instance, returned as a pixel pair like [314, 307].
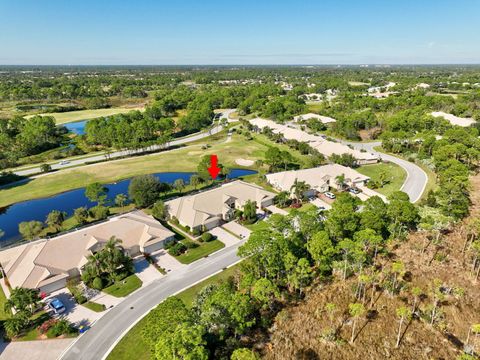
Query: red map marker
[213, 169]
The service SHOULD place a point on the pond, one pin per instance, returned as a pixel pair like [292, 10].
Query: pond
[77, 127]
[38, 209]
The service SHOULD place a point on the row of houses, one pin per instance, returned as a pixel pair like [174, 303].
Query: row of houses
[47, 264]
[324, 146]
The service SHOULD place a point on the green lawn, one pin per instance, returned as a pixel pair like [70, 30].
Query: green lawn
[199, 252]
[124, 287]
[94, 306]
[3, 299]
[394, 173]
[431, 176]
[71, 116]
[304, 208]
[32, 332]
[132, 345]
[183, 159]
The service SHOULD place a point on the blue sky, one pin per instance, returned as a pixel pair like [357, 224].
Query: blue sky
[239, 32]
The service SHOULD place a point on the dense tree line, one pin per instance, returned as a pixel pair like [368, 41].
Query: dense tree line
[20, 137]
[283, 258]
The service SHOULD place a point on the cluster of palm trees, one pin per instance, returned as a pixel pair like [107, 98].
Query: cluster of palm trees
[298, 189]
[24, 303]
[108, 265]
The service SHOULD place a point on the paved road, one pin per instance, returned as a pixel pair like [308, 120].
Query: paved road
[97, 342]
[117, 154]
[416, 180]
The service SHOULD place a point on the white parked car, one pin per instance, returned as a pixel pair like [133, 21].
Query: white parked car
[330, 195]
[64, 162]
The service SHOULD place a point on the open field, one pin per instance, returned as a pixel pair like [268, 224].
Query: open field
[394, 174]
[132, 345]
[183, 159]
[72, 116]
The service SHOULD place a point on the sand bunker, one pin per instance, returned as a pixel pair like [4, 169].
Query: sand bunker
[244, 162]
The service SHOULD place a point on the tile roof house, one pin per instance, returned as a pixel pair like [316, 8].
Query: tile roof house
[320, 179]
[48, 264]
[210, 208]
[323, 119]
[324, 146]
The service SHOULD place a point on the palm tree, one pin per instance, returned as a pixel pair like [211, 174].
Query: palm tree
[282, 198]
[121, 200]
[340, 181]
[22, 299]
[14, 325]
[299, 188]
[112, 257]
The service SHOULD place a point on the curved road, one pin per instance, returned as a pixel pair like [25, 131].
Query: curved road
[416, 180]
[99, 340]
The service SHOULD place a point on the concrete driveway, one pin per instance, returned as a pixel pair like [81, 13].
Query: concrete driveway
[224, 236]
[276, 210]
[321, 204]
[167, 261]
[34, 350]
[237, 229]
[75, 313]
[145, 271]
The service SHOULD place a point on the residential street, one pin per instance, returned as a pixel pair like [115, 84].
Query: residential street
[97, 342]
[416, 180]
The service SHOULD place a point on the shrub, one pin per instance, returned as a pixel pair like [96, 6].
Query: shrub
[60, 327]
[207, 237]
[195, 232]
[45, 168]
[177, 249]
[159, 210]
[46, 325]
[174, 220]
[72, 286]
[99, 212]
[190, 244]
[169, 244]
[97, 283]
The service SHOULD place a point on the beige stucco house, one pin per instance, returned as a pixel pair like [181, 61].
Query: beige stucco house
[210, 208]
[319, 179]
[324, 146]
[48, 264]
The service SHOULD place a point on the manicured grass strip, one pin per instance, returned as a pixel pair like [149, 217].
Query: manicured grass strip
[94, 306]
[304, 208]
[124, 287]
[188, 295]
[199, 252]
[3, 299]
[395, 174]
[132, 345]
